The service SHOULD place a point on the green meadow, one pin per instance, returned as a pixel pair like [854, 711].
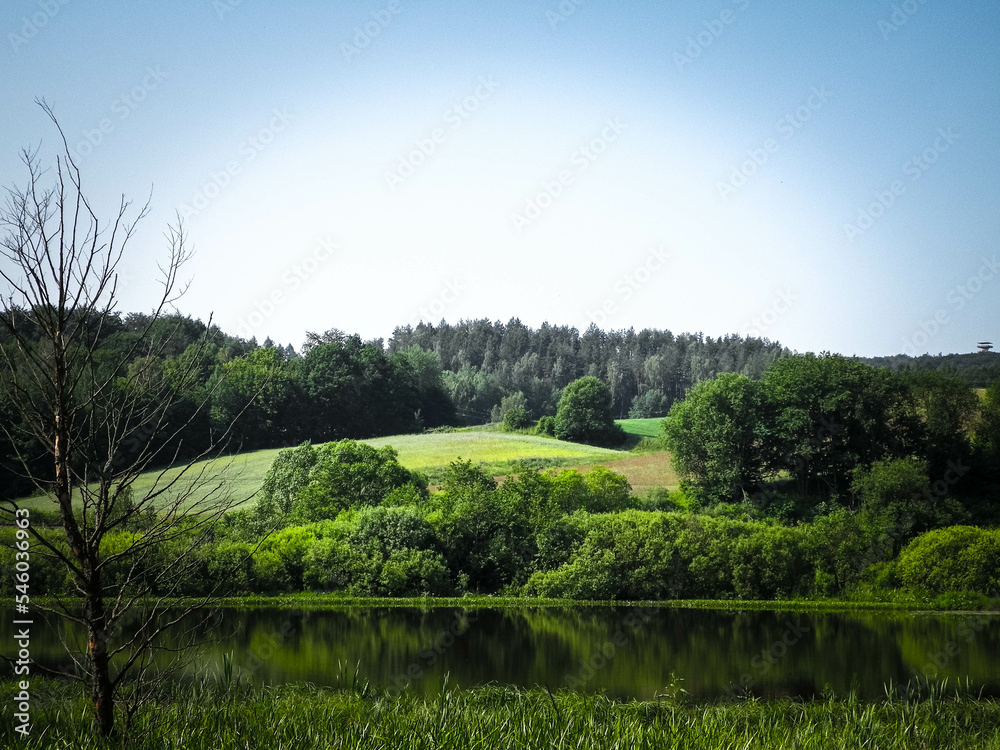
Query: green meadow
[497, 452]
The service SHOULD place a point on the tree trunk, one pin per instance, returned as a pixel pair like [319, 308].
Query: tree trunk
[101, 689]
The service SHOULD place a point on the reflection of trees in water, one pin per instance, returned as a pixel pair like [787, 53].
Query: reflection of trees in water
[783, 653]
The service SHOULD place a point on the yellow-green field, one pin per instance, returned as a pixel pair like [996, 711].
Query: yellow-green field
[425, 451]
[243, 474]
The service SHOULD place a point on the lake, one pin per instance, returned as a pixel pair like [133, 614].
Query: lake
[627, 652]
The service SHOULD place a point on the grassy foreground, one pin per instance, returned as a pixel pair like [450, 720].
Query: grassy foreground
[304, 717]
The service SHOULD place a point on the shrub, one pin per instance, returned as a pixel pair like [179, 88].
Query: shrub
[584, 413]
[957, 558]
[546, 426]
[516, 419]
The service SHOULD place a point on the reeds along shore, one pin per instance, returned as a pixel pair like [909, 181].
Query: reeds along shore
[302, 717]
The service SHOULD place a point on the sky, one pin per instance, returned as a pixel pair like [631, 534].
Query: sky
[826, 175]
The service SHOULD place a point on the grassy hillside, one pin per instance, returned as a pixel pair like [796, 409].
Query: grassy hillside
[243, 474]
[641, 427]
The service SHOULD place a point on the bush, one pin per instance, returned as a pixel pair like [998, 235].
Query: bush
[516, 419]
[957, 558]
[412, 572]
[307, 484]
[546, 426]
[584, 414]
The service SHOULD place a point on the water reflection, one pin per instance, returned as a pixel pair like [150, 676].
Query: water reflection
[626, 652]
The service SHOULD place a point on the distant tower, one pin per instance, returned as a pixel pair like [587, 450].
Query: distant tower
[985, 346]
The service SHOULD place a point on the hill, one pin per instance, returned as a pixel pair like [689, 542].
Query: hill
[429, 453]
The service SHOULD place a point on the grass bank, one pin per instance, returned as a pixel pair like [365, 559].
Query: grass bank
[304, 717]
[899, 602]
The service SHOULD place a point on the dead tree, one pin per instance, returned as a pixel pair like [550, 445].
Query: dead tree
[101, 424]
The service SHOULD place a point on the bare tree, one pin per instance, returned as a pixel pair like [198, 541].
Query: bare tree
[102, 423]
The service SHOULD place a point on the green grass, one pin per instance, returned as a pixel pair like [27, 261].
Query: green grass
[203, 716]
[425, 451]
[497, 452]
[642, 427]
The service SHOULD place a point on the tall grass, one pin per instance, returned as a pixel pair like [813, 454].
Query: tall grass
[302, 717]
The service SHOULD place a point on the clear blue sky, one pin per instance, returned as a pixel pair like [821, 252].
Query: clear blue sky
[823, 174]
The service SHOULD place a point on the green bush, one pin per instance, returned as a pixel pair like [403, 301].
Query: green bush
[584, 414]
[516, 419]
[546, 426]
[413, 572]
[957, 558]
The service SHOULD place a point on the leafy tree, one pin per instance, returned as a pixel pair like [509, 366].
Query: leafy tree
[898, 502]
[546, 426]
[307, 483]
[947, 408]
[836, 414]
[436, 407]
[652, 403]
[487, 534]
[987, 432]
[584, 414]
[256, 395]
[721, 437]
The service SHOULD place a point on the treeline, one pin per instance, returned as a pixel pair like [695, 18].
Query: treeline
[804, 433]
[227, 392]
[232, 392]
[977, 369]
[647, 371]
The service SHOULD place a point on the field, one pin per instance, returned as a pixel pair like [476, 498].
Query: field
[497, 452]
[642, 427]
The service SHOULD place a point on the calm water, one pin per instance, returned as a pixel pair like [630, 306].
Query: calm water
[626, 652]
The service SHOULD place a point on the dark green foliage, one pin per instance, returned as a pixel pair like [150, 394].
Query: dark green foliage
[584, 414]
[516, 419]
[651, 403]
[309, 483]
[486, 534]
[546, 426]
[948, 409]
[957, 558]
[834, 415]
[898, 502]
[721, 437]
